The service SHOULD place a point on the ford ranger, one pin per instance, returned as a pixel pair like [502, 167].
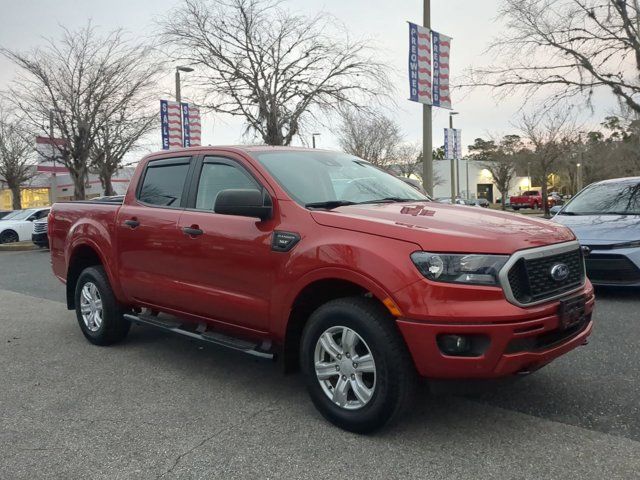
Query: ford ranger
[329, 264]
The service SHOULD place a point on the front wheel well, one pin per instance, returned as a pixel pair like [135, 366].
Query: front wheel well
[82, 258]
[308, 300]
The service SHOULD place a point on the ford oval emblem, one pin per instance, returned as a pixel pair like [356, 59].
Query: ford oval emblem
[559, 272]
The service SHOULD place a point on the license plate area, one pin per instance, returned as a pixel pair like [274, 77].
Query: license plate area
[571, 312]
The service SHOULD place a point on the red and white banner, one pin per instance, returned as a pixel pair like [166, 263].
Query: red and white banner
[49, 155]
[195, 126]
[420, 83]
[441, 59]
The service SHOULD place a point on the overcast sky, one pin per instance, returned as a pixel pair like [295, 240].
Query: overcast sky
[471, 23]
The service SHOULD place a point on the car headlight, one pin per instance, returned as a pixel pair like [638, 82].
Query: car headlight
[457, 268]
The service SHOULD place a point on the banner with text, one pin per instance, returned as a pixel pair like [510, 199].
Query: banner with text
[420, 83]
[181, 125]
[441, 52]
[452, 143]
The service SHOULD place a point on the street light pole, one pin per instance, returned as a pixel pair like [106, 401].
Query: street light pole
[455, 156]
[179, 95]
[313, 139]
[427, 129]
[578, 177]
[453, 163]
[53, 184]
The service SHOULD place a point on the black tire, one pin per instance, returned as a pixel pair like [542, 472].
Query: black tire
[515, 209]
[114, 327]
[396, 377]
[9, 236]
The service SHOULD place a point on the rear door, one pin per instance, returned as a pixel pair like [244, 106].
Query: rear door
[148, 236]
[227, 270]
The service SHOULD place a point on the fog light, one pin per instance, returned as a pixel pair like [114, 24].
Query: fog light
[454, 344]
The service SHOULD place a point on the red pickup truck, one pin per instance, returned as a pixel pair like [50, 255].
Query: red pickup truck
[529, 199]
[328, 263]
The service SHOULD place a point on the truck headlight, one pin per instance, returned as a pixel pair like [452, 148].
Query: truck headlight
[457, 268]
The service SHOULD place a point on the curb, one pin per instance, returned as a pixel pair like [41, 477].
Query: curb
[18, 247]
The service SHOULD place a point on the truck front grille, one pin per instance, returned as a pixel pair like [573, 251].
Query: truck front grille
[40, 227]
[531, 281]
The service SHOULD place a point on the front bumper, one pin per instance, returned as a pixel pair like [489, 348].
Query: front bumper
[526, 341]
[40, 239]
[614, 267]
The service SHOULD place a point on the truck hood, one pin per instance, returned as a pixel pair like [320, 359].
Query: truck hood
[602, 229]
[446, 228]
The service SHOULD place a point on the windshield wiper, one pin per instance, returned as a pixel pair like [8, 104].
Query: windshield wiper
[329, 204]
[394, 199]
[562, 212]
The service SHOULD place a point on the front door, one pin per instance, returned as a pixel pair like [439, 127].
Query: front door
[228, 269]
[485, 190]
[148, 236]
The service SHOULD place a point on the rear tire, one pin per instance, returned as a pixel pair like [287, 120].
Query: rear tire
[378, 389]
[99, 315]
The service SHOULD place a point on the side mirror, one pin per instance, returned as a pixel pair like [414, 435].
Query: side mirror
[244, 203]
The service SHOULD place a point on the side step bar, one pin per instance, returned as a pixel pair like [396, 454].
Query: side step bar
[173, 324]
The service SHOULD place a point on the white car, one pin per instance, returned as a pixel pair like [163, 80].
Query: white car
[18, 225]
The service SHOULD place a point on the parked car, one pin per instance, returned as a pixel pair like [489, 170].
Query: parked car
[529, 199]
[605, 217]
[18, 226]
[4, 213]
[39, 236]
[479, 202]
[250, 248]
[458, 201]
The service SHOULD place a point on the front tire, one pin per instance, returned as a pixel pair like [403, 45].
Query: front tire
[9, 236]
[99, 315]
[358, 371]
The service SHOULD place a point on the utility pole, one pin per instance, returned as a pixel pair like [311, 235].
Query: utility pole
[453, 163]
[427, 128]
[313, 139]
[53, 184]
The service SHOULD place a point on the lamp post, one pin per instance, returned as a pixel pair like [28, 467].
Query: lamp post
[427, 133]
[179, 96]
[454, 170]
[313, 139]
[53, 185]
[455, 156]
[578, 177]
[178, 70]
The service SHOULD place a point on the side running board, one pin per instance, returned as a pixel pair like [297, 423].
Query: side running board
[174, 325]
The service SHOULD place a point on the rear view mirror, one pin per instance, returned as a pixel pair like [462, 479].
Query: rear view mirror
[244, 203]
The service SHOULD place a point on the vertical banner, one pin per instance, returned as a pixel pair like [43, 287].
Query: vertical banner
[186, 126]
[457, 137]
[171, 124]
[164, 124]
[452, 143]
[420, 84]
[441, 54]
[195, 126]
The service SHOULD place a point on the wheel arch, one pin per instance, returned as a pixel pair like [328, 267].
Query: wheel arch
[316, 291]
[82, 256]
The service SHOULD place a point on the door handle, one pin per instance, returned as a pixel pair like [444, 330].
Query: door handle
[193, 230]
[132, 223]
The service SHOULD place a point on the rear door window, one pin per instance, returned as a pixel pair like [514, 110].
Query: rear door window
[164, 182]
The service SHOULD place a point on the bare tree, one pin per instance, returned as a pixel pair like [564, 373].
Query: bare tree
[572, 46]
[117, 137]
[271, 67]
[370, 136]
[87, 80]
[16, 149]
[500, 159]
[549, 134]
[408, 162]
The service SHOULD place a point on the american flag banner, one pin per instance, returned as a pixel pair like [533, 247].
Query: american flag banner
[195, 126]
[452, 143]
[441, 52]
[420, 84]
[171, 124]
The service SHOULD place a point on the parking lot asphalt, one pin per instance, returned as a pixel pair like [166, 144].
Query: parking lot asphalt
[159, 406]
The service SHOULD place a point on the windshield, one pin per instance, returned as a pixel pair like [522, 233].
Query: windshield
[606, 199]
[19, 215]
[328, 177]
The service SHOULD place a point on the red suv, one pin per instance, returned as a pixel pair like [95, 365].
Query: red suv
[328, 263]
